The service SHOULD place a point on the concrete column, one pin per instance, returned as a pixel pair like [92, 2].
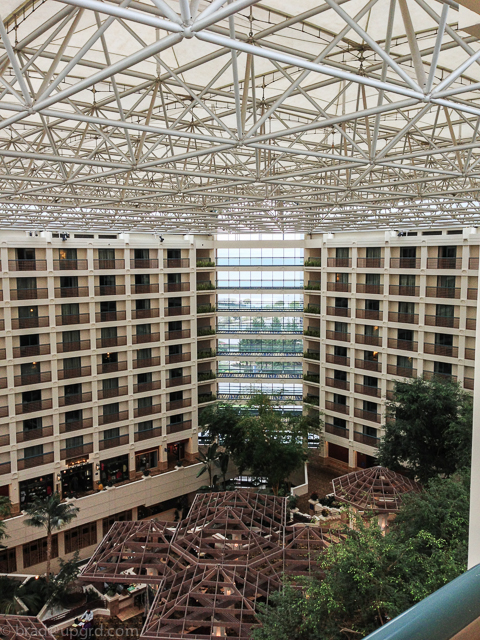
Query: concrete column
[474, 528]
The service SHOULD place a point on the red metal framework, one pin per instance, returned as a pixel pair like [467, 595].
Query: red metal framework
[376, 489]
[24, 627]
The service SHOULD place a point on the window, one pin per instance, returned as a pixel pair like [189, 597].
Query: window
[340, 375]
[341, 303]
[32, 340]
[144, 378]
[108, 384]
[340, 351]
[177, 419]
[80, 537]
[339, 399]
[142, 279]
[176, 373]
[147, 425]
[408, 308]
[107, 281]
[32, 396]
[174, 349]
[174, 278]
[70, 390]
[144, 329]
[373, 252]
[372, 279]
[30, 369]
[406, 280]
[370, 381]
[69, 337]
[342, 252]
[446, 282]
[141, 254]
[72, 443]
[68, 282]
[371, 331]
[369, 431]
[111, 434]
[442, 368]
[108, 358]
[371, 356]
[444, 339]
[25, 254]
[174, 303]
[447, 252]
[174, 254]
[342, 278]
[404, 362]
[369, 406]
[33, 452]
[32, 423]
[145, 403]
[405, 335]
[70, 309]
[8, 561]
[445, 310]
[142, 304]
[146, 460]
[27, 312]
[72, 363]
[67, 254]
[340, 422]
[408, 252]
[341, 327]
[26, 284]
[176, 395]
[123, 516]
[73, 416]
[111, 409]
[260, 279]
[372, 305]
[144, 354]
[175, 325]
[108, 307]
[36, 552]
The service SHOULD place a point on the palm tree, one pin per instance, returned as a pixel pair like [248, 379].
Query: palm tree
[208, 459]
[222, 462]
[5, 506]
[50, 514]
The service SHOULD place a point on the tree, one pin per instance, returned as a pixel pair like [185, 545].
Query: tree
[62, 585]
[5, 507]
[208, 459]
[50, 514]
[222, 463]
[429, 428]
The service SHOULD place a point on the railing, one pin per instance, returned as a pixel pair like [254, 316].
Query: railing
[444, 263]
[266, 354]
[312, 333]
[77, 372]
[70, 265]
[313, 285]
[76, 345]
[30, 323]
[110, 443]
[404, 345]
[312, 308]
[310, 399]
[430, 375]
[206, 397]
[343, 312]
[472, 294]
[32, 378]
[206, 353]
[371, 416]
[376, 289]
[143, 314]
[146, 362]
[71, 292]
[403, 318]
[178, 404]
[76, 425]
[115, 341]
[139, 412]
[5, 467]
[468, 383]
[337, 335]
[110, 367]
[361, 338]
[311, 355]
[27, 265]
[141, 263]
[139, 289]
[141, 387]
[341, 432]
[178, 357]
[110, 316]
[277, 396]
[34, 405]
[338, 384]
[29, 294]
[146, 337]
[405, 263]
[202, 263]
[339, 262]
[177, 335]
[366, 390]
[311, 377]
[179, 426]
[440, 350]
[403, 290]
[471, 324]
[34, 434]
[370, 441]
[258, 374]
[31, 350]
[442, 321]
[469, 353]
[473, 263]
[104, 394]
[313, 262]
[368, 314]
[108, 418]
[368, 365]
[404, 372]
[108, 264]
[3, 383]
[110, 290]
[146, 434]
[343, 361]
[173, 287]
[79, 318]
[74, 398]
[443, 292]
[177, 311]
[370, 263]
[206, 331]
[178, 381]
[209, 308]
[336, 406]
[176, 263]
[35, 461]
[3, 412]
[345, 287]
[76, 452]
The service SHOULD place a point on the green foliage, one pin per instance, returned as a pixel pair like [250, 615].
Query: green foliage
[5, 507]
[33, 594]
[429, 428]
[208, 460]
[61, 585]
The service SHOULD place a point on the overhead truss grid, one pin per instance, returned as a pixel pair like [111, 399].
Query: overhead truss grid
[238, 115]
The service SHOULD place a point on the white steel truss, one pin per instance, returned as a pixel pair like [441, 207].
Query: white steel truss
[238, 115]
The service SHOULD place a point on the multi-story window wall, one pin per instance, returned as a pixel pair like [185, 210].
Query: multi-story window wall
[260, 301]
[259, 324]
[259, 280]
[264, 257]
[262, 369]
[277, 391]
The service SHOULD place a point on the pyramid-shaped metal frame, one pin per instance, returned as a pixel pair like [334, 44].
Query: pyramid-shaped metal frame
[23, 628]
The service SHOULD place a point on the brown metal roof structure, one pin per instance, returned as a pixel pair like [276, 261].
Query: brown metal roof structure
[376, 489]
[212, 568]
[23, 628]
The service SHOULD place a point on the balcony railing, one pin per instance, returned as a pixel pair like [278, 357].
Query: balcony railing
[405, 263]
[79, 318]
[343, 312]
[110, 443]
[313, 285]
[441, 350]
[311, 399]
[34, 405]
[29, 294]
[471, 324]
[3, 383]
[34, 434]
[443, 292]
[104, 394]
[70, 265]
[31, 350]
[430, 375]
[343, 361]
[376, 289]
[345, 287]
[206, 353]
[468, 383]
[370, 441]
[4, 441]
[146, 434]
[338, 335]
[143, 314]
[3, 412]
[140, 263]
[314, 378]
[338, 384]
[311, 332]
[472, 294]
[367, 390]
[313, 262]
[176, 263]
[173, 287]
[469, 353]
[368, 365]
[110, 367]
[177, 335]
[115, 341]
[74, 398]
[444, 263]
[403, 372]
[76, 452]
[76, 345]
[146, 362]
[341, 432]
[207, 308]
[108, 418]
[179, 404]
[35, 461]
[369, 314]
[179, 426]
[403, 318]
[311, 355]
[32, 378]
[139, 289]
[336, 406]
[312, 308]
[109, 264]
[339, 262]
[361, 338]
[177, 311]
[404, 290]
[178, 357]
[71, 292]
[110, 316]
[147, 386]
[110, 290]
[371, 416]
[76, 425]
[178, 381]
[27, 265]
[404, 345]
[442, 321]
[30, 323]
[203, 263]
[77, 372]
[370, 263]
[139, 412]
[145, 337]
[206, 397]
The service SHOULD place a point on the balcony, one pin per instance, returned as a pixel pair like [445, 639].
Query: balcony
[312, 377]
[312, 308]
[403, 372]
[371, 416]
[471, 324]
[403, 318]
[176, 263]
[146, 337]
[430, 375]
[344, 287]
[311, 355]
[313, 285]
[146, 362]
[311, 332]
[108, 418]
[34, 434]
[342, 312]
[146, 434]
[178, 404]
[33, 406]
[70, 265]
[442, 321]
[74, 398]
[176, 311]
[29, 294]
[3, 383]
[178, 357]
[79, 318]
[140, 412]
[3, 412]
[206, 397]
[313, 262]
[343, 361]
[115, 341]
[444, 263]
[341, 432]
[177, 335]
[376, 289]
[104, 394]
[473, 263]
[71, 292]
[139, 289]
[370, 263]
[468, 383]
[142, 387]
[339, 262]
[443, 292]
[174, 287]
[311, 399]
[336, 406]
[375, 341]
[143, 314]
[368, 365]
[440, 350]
[337, 335]
[110, 367]
[206, 353]
[31, 350]
[472, 294]
[369, 314]
[77, 372]
[206, 376]
[76, 452]
[469, 353]
[35, 461]
[76, 345]
[110, 290]
[27, 265]
[32, 378]
[338, 384]
[178, 381]
[110, 316]
[30, 323]
[203, 263]
[404, 290]
[5, 467]
[206, 308]
[178, 427]
[405, 263]
[370, 441]
[367, 390]
[403, 345]
[109, 264]
[76, 425]
[140, 263]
